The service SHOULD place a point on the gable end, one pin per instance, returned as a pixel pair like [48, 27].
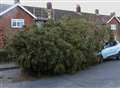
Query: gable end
[114, 17]
[18, 5]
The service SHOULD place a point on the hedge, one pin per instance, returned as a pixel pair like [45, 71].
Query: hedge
[4, 56]
[57, 48]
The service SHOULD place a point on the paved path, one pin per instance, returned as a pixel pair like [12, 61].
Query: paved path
[106, 75]
[8, 66]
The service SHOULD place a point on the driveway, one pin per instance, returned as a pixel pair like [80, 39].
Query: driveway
[105, 75]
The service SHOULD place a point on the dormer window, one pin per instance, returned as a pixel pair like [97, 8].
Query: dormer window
[113, 26]
[17, 23]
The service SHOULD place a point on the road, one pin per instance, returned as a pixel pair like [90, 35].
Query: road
[105, 75]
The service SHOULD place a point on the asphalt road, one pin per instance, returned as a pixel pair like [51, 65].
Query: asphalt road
[105, 75]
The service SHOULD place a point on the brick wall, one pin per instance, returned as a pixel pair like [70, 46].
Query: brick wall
[5, 23]
[117, 32]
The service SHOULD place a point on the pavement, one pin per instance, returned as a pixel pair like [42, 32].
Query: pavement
[105, 75]
[7, 66]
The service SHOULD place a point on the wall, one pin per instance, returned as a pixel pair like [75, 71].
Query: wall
[117, 32]
[5, 22]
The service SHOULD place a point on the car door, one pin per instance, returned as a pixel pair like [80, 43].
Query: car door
[110, 51]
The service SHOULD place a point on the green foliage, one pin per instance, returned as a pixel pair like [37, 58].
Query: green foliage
[56, 48]
[4, 56]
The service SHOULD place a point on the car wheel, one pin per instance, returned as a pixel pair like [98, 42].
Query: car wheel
[100, 59]
[118, 57]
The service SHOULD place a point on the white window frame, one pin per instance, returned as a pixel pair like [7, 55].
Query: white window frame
[19, 23]
[113, 27]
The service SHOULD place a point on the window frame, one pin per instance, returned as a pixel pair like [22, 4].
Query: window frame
[113, 26]
[17, 23]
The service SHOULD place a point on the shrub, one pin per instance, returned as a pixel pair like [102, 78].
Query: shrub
[56, 48]
[4, 56]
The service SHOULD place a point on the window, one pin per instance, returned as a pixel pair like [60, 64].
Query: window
[17, 23]
[113, 26]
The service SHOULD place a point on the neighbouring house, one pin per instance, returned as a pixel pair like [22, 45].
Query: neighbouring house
[114, 23]
[14, 17]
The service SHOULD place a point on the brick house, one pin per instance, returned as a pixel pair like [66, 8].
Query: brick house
[14, 17]
[114, 23]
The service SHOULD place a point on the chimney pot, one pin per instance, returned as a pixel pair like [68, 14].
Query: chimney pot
[97, 12]
[16, 1]
[78, 9]
[112, 14]
[49, 5]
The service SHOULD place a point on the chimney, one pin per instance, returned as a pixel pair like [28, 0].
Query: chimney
[16, 1]
[49, 5]
[112, 14]
[49, 10]
[97, 12]
[78, 9]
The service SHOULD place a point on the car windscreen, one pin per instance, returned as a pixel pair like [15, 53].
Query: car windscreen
[109, 44]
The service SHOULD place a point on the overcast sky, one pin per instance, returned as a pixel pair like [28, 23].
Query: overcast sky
[105, 6]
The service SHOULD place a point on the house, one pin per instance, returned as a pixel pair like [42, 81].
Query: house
[14, 17]
[114, 23]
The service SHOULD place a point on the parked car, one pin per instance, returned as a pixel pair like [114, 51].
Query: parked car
[110, 50]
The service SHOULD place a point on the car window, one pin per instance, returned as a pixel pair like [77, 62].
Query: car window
[109, 44]
[113, 43]
[106, 45]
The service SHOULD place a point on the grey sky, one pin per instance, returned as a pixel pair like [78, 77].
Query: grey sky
[105, 6]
